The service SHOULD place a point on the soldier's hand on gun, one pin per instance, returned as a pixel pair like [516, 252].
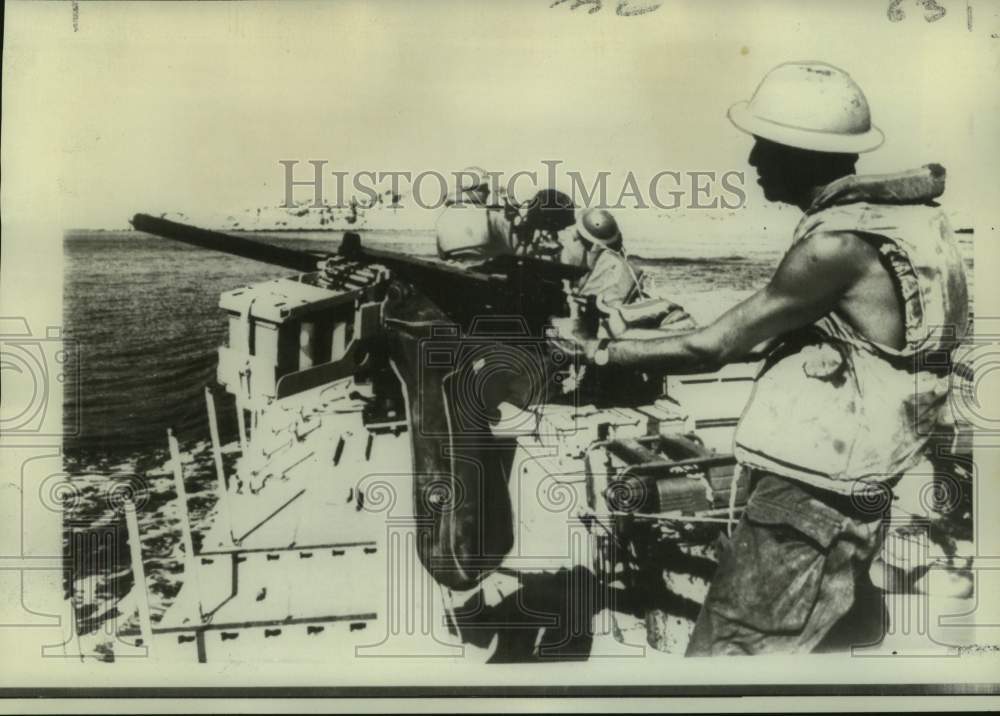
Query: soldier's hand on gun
[567, 336]
[677, 319]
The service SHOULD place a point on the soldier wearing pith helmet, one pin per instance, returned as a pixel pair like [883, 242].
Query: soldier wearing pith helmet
[855, 329]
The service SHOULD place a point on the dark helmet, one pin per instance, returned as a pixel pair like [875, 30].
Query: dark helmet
[550, 210]
[598, 226]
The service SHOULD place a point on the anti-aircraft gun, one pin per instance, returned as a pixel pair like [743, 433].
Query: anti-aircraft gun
[441, 346]
[408, 326]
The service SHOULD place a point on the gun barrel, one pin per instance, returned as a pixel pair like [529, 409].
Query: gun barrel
[226, 243]
[506, 284]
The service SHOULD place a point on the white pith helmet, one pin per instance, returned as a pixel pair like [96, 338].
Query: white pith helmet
[809, 105]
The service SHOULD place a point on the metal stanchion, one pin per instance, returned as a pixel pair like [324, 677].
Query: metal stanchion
[220, 473]
[139, 575]
[190, 564]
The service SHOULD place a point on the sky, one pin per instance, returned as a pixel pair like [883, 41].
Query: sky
[189, 106]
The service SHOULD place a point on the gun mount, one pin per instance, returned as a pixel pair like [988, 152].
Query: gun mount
[366, 365]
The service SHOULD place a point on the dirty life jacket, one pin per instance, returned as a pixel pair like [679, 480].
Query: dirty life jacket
[831, 407]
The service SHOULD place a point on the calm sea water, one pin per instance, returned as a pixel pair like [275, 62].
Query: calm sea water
[143, 314]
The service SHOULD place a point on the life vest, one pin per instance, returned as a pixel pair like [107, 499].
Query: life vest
[831, 407]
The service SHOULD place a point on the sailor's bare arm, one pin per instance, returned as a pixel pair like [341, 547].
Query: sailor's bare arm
[812, 280]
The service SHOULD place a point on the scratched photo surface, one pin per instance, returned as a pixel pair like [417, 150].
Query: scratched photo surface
[520, 345]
